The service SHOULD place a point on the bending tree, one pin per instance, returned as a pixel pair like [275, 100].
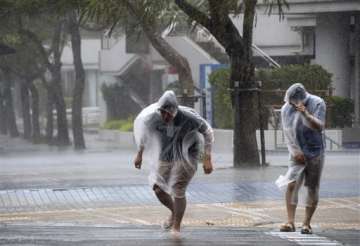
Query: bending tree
[52, 60]
[37, 22]
[149, 15]
[25, 67]
[216, 18]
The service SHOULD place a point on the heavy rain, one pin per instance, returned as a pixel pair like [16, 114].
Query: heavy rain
[179, 122]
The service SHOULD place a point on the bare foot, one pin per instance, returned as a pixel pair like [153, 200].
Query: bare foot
[175, 234]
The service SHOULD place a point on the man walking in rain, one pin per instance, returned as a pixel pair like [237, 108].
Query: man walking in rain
[173, 137]
[303, 120]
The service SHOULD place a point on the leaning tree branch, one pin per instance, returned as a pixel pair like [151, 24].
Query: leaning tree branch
[194, 13]
[32, 37]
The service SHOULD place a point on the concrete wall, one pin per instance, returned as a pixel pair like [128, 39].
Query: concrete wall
[274, 140]
[224, 139]
[123, 140]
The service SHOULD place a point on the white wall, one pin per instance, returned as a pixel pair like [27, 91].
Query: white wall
[92, 87]
[321, 6]
[90, 49]
[273, 36]
[114, 59]
[332, 49]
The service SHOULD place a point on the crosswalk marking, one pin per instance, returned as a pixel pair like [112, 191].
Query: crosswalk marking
[302, 239]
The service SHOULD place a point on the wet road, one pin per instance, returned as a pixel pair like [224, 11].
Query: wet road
[51, 196]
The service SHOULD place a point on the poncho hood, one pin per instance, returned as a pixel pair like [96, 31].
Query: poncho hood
[168, 103]
[296, 92]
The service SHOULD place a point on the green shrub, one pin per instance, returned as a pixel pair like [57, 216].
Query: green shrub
[121, 125]
[119, 104]
[68, 102]
[223, 112]
[313, 77]
[341, 113]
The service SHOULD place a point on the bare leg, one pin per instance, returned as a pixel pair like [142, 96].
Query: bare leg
[291, 208]
[311, 207]
[179, 210]
[166, 200]
[309, 211]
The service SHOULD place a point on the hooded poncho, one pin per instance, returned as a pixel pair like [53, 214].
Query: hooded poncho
[300, 136]
[180, 141]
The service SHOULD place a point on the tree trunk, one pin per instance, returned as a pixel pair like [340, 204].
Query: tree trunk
[49, 115]
[10, 112]
[25, 106]
[55, 69]
[238, 48]
[3, 121]
[62, 124]
[245, 145]
[78, 134]
[357, 71]
[170, 55]
[243, 70]
[35, 113]
[56, 88]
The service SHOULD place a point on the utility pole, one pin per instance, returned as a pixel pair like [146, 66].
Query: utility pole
[262, 136]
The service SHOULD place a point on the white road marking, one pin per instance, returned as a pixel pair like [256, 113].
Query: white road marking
[302, 239]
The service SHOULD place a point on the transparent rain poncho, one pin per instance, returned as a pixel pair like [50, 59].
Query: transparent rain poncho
[179, 143]
[292, 121]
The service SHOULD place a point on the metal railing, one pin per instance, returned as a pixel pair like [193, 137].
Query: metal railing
[332, 142]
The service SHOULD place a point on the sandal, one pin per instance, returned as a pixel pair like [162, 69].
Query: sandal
[287, 227]
[306, 229]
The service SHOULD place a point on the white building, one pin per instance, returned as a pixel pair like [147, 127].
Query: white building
[128, 68]
[326, 31]
[107, 62]
[90, 49]
[323, 32]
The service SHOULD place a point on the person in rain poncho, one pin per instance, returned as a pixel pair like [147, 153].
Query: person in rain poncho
[303, 120]
[173, 136]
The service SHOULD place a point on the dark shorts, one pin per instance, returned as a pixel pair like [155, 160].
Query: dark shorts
[311, 173]
[309, 176]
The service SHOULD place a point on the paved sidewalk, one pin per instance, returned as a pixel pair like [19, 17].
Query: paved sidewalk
[52, 196]
[22, 200]
[152, 236]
